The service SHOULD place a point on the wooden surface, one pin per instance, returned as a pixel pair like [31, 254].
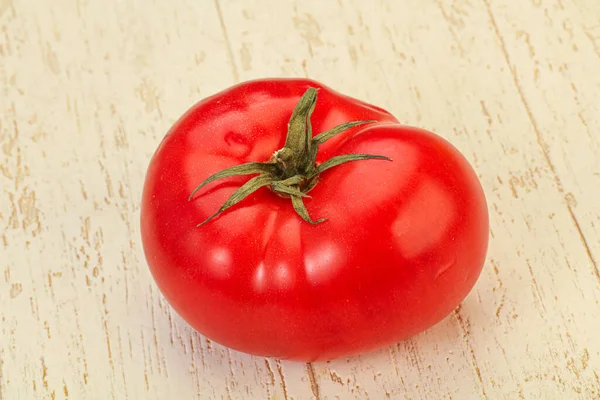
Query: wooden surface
[89, 87]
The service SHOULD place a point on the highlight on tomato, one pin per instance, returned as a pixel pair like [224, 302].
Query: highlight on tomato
[284, 219]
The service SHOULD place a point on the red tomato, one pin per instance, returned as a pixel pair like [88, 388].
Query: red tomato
[403, 244]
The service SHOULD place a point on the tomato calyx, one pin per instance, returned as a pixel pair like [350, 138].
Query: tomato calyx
[292, 171]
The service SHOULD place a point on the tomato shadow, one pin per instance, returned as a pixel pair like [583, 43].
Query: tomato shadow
[206, 364]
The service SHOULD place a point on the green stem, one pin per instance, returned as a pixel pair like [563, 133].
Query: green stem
[293, 170]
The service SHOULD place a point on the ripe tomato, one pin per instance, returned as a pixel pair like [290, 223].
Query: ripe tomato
[403, 244]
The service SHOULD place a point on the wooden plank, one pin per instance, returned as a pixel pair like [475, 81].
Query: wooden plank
[88, 89]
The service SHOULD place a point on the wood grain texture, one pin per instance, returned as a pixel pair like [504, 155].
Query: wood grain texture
[88, 89]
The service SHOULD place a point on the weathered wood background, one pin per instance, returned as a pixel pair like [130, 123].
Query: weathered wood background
[89, 87]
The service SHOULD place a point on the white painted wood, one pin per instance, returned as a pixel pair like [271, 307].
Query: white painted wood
[88, 88]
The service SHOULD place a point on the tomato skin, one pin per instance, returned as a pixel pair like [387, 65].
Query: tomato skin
[404, 243]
